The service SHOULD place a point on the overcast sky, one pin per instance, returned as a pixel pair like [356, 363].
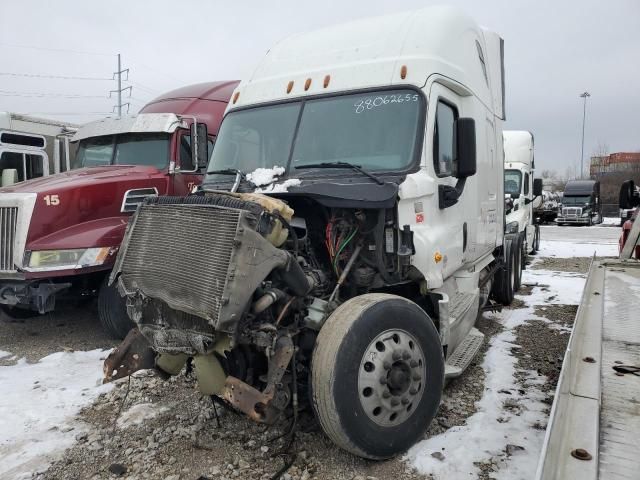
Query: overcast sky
[554, 51]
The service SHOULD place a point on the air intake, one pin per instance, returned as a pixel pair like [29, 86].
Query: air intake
[133, 198]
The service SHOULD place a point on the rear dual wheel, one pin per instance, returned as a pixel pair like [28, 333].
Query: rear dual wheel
[505, 278]
[377, 375]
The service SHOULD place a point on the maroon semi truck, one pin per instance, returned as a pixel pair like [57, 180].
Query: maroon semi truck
[59, 235]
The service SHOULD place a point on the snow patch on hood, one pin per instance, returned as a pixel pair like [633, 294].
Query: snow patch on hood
[264, 176]
[280, 187]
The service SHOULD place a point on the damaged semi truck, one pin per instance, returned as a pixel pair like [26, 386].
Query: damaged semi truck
[60, 234]
[348, 231]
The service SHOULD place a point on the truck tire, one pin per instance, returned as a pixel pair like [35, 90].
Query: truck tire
[505, 277]
[112, 311]
[536, 240]
[521, 257]
[377, 375]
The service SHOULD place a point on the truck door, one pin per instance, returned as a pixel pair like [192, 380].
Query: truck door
[450, 226]
[187, 176]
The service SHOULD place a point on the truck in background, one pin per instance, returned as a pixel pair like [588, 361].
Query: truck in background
[345, 236]
[628, 201]
[520, 190]
[61, 233]
[581, 204]
[32, 147]
[547, 209]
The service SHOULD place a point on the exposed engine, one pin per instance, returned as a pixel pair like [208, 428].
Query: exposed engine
[242, 283]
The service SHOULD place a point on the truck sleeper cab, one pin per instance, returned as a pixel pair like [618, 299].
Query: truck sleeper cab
[63, 231]
[347, 233]
[580, 203]
[521, 191]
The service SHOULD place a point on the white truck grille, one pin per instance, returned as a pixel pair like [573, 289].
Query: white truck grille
[8, 221]
[571, 211]
[15, 216]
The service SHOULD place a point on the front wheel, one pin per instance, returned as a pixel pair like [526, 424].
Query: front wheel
[377, 375]
[112, 311]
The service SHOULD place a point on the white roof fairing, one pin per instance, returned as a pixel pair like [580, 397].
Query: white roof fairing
[143, 122]
[518, 146]
[371, 53]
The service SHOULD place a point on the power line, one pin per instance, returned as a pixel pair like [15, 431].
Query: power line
[61, 77]
[67, 113]
[142, 86]
[65, 50]
[8, 93]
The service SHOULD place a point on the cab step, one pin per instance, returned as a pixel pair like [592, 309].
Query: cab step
[460, 359]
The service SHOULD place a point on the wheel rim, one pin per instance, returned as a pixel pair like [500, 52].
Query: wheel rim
[391, 377]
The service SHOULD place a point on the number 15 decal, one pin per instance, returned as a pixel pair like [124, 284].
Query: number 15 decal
[52, 200]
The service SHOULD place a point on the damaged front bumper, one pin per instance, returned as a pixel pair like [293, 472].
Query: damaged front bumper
[264, 406]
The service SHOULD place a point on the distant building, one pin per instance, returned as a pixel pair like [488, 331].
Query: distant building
[621, 162]
[611, 170]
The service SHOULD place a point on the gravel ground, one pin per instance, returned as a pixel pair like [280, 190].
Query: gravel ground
[183, 440]
[575, 264]
[67, 329]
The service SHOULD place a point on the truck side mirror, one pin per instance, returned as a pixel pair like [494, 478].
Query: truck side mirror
[466, 147]
[199, 145]
[537, 187]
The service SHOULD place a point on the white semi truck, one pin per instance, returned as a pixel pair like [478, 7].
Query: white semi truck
[521, 190]
[348, 231]
[32, 147]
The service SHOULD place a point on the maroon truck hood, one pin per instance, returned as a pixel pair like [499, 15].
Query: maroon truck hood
[82, 177]
[82, 208]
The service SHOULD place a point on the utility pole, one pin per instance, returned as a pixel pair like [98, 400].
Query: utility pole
[118, 77]
[583, 95]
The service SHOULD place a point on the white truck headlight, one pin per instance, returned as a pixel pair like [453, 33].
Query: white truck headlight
[43, 260]
[512, 227]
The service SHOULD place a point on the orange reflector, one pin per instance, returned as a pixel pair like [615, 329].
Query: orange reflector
[327, 79]
[307, 84]
[235, 97]
[290, 86]
[437, 257]
[403, 72]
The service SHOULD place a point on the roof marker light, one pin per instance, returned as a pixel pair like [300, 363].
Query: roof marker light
[307, 84]
[403, 72]
[290, 86]
[327, 79]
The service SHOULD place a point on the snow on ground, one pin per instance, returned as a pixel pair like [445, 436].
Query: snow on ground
[576, 241]
[39, 402]
[488, 432]
[139, 413]
[608, 221]
[264, 176]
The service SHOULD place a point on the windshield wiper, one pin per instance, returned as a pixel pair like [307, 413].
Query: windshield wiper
[240, 175]
[352, 166]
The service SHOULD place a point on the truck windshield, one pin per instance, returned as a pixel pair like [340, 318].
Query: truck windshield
[376, 131]
[150, 149]
[580, 200]
[512, 181]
